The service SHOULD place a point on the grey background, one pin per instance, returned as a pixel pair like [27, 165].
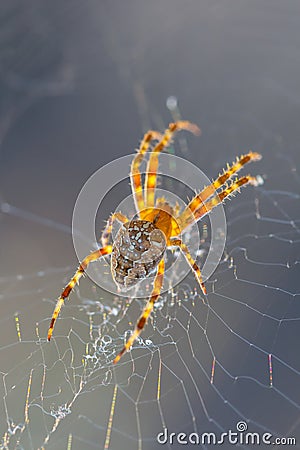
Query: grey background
[79, 84]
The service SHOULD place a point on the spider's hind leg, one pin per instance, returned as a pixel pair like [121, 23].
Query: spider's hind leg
[158, 282]
[97, 254]
[109, 225]
[191, 262]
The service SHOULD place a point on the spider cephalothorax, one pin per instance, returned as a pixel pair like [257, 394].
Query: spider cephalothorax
[137, 249]
[140, 245]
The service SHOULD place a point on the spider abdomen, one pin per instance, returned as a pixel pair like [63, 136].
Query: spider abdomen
[137, 249]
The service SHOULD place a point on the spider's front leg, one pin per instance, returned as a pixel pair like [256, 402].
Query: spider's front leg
[78, 274]
[235, 186]
[152, 166]
[158, 282]
[187, 216]
[135, 174]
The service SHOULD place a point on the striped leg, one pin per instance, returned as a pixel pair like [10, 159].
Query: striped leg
[186, 216]
[109, 224]
[192, 263]
[67, 290]
[151, 172]
[158, 282]
[221, 196]
[135, 174]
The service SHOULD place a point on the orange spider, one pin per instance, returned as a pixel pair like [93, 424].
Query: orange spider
[140, 244]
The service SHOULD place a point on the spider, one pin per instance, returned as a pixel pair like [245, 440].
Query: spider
[140, 244]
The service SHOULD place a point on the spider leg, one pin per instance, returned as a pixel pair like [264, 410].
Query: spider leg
[191, 262]
[109, 224]
[152, 166]
[235, 185]
[204, 209]
[78, 274]
[158, 282]
[186, 217]
[135, 175]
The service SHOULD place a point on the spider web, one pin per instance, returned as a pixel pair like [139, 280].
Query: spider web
[212, 363]
[198, 366]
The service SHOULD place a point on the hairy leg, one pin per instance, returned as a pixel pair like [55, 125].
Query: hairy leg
[109, 224]
[186, 217]
[78, 274]
[151, 172]
[135, 174]
[191, 262]
[235, 186]
[158, 282]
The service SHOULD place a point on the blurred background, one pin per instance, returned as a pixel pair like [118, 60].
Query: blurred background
[80, 83]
